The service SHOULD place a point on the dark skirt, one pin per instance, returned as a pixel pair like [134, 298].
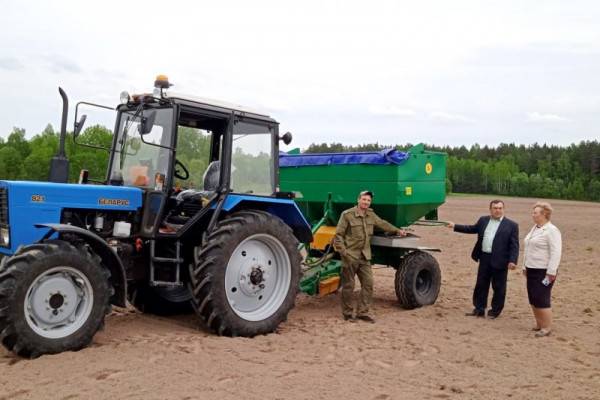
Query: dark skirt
[539, 295]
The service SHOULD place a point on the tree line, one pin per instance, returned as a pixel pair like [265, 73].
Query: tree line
[23, 159]
[571, 172]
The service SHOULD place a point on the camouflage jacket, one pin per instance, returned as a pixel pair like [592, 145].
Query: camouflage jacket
[354, 231]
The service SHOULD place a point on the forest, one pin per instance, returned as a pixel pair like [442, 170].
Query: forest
[537, 170]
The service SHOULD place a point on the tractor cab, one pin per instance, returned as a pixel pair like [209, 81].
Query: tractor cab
[184, 152]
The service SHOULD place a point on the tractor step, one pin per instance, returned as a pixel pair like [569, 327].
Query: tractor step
[165, 284]
[165, 260]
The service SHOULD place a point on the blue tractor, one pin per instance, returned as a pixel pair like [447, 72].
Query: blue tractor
[213, 233]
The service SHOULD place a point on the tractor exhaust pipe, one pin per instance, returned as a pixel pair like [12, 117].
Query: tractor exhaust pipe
[59, 165]
[63, 124]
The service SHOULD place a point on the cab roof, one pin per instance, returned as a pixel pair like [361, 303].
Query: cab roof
[217, 105]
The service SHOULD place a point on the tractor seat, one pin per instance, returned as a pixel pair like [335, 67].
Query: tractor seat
[210, 184]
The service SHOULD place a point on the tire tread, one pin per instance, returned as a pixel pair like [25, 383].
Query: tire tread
[211, 258]
[25, 260]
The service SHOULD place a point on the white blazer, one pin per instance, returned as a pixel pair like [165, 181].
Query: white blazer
[543, 248]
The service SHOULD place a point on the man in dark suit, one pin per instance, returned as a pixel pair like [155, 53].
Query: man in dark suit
[497, 251]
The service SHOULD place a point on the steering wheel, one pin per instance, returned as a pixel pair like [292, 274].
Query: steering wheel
[181, 172]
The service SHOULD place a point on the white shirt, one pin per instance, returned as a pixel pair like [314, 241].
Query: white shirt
[543, 248]
[489, 234]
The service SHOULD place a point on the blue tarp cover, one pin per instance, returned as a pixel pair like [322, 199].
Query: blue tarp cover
[387, 156]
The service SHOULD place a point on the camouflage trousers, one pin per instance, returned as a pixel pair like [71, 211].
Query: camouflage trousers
[350, 268]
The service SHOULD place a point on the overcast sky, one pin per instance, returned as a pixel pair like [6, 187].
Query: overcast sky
[440, 72]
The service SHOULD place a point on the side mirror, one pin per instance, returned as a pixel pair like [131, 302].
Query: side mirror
[147, 123]
[79, 126]
[286, 138]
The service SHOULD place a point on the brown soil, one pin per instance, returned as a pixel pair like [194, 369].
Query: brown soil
[433, 352]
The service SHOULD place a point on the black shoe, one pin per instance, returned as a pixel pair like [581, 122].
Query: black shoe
[475, 313]
[349, 318]
[366, 318]
[493, 315]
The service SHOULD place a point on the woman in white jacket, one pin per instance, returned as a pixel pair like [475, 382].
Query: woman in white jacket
[543, 247]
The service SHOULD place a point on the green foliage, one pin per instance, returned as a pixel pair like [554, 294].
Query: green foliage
[251, 172]
[11, 163]
[22, 159]
[594, 189]
[448, 186]
[193, 151]
[17, 141]
[93, 159]
[43, 146]
[519, 184]
[340, 148]
[575, 190]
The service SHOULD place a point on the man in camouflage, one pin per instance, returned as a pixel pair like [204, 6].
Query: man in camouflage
[353, 242]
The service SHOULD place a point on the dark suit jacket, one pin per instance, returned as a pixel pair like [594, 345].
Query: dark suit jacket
[505, 247]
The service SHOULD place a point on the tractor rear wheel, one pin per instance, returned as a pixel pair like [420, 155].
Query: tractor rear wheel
[418, 280]
[246, 274]
[53, 298]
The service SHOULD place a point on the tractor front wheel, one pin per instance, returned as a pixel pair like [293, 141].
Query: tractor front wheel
[53, 298]
[418, 280]
[246, 274]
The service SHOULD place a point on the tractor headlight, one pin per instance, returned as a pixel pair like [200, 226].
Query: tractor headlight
[124, 97]
[4, 236]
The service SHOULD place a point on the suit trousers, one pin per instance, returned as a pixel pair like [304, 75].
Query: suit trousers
[350, 268]
[486, 275]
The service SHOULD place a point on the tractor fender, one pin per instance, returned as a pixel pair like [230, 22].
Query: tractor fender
[285, 209]
[109, 258]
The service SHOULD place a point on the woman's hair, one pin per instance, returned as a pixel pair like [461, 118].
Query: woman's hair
[546, 208]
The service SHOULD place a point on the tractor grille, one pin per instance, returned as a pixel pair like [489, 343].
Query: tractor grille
[3, 206]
